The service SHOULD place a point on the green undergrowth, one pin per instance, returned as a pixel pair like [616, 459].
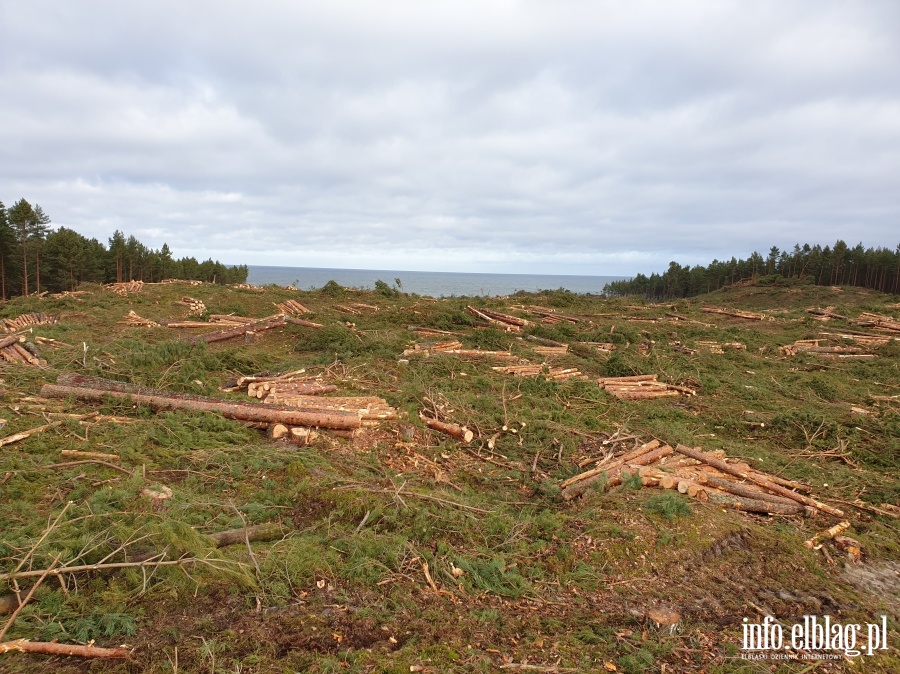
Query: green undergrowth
[406, 548]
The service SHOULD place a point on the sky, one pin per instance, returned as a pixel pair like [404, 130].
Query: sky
[554, 137]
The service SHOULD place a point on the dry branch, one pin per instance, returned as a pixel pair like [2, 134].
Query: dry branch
[53, 648]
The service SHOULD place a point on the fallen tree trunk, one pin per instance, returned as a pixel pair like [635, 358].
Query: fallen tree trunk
[453, 430]
[260, 532]
[759, 479]
[93, 389]
[230, 333]
[53, 648]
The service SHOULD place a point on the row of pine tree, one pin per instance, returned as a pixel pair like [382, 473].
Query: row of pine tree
[35, 258]
[873, 268]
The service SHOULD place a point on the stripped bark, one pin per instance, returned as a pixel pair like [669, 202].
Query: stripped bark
[53, 648]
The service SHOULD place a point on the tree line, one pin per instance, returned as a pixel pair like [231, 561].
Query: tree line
[35, 258]
[872, 268]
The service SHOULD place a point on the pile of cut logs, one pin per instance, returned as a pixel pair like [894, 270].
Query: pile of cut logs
[14, 349]
[551, 373]
[133, 319]
[27, 320]
[813, 347]
[878, 322]
[355, 308]
[707, 476]
[495, 318]
[550, 317]
[122, 289]
[340, 416]
[825, 314]
[551, 350]
[291, 308]
[453, 348]
[642, 387]
[735, 313]
[196, 307]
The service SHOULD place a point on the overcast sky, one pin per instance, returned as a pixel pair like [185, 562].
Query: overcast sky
[564, 136]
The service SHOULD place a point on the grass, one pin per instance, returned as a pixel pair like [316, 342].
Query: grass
[519, 575]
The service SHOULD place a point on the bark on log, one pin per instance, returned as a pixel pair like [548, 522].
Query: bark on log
[8, 341]
[741, 489]
[260, 532]
[93, 389]
[614, 474]
[220, 335]
[293, 320]
[753, 505]
[759, 479]
[615, 463]
[52, 648]
[453, 430]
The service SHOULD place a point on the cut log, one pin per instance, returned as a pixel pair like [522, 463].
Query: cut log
[752, 505]
[614, 473]
[453, 430]
[260, 532]
[302, 323]
[277, 431]
[53, 648]
[739, 489]
[93, 389]
[759, 479]
[543, 341]
[237, 331]
[735, 313]
[303, 436]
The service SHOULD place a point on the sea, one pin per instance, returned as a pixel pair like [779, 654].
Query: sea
[428, 283]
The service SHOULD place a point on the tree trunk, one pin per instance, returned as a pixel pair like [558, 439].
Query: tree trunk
[53, 648]
[93, 389]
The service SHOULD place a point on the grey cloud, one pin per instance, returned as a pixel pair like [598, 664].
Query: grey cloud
[601, 136]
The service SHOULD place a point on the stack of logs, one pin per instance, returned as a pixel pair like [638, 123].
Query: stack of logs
[813, 347]
[27, 320]
[134, 320]
[355, 308]
[878, 322]
[735, 313]
[340, 416]
[452, 348]
[825, 314]
[706, 476]
[195, 307]
[551, 350]
[495, 318]
[550, 373]
[122, 289]
[242, 327]
[14, 349]
[642, 387]
[291, 308]
[550, 317]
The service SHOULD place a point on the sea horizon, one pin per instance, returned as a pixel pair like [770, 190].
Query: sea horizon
[429, 283]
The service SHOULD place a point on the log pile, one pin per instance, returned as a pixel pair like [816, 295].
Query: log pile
[706, 476]
[868, 341]
[453, 349]
[245, 329]
[642, 387]
[27, 321]
[813, 347]
[878, 322]
[505, 321]
[14, 349]
[551, 350]
[195, 307]
[735, 313]
[291, 308]
[550, 317]
[136, 321]
[346, 309]
[428, 332]
[550, 373]
[95, 390]
[825, 314]
[720, 348]
[122, 289]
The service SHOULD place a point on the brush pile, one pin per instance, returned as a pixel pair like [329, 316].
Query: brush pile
[642, 387]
